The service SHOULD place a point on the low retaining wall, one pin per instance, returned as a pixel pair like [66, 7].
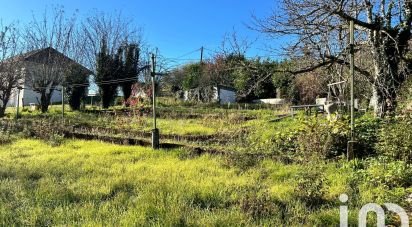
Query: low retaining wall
[270, 101]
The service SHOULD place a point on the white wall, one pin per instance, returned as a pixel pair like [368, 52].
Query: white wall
[13, 98]
[221, 95]
[321, 101]
[270, 101]
[31, 96]
[227, 96]
[28, 96]
[186, 96]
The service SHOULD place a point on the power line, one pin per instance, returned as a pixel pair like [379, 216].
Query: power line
[183, 59]
[189, 53]
[106, 82]
[177, 60]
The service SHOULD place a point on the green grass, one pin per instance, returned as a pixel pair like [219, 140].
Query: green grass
[94, 183]
[210, 120]
[182, 127]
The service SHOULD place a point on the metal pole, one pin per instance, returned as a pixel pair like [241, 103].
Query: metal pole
[155, 131]
[352, 73]
[352, 142]
[154, 90]
[201, 55]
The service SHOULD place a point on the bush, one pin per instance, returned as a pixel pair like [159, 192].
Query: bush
[55, 140]
[307, 138]
[51, 132]
[405, 98]
[243, 161]
[395, 139]
[277, 138]
[383, 171]
[366, 133]
[312, 188]
[285, 142]
[5, 138]
[260, 205]
[322, 139]
[378, 180]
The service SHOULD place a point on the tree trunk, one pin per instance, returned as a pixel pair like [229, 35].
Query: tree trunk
[76, 96]
[127, 92]
[5, 100]
[106, 100]
[2, 110]
[374, 103]
[388, 77]
[45, 101]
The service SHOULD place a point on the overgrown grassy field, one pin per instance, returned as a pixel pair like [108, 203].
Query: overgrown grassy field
[93, 183]
[268, 171]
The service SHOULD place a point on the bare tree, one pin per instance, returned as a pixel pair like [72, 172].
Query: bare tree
[53, 34]
[10, 72]
[116, 30]
[216, 71]
[233, 44]
[318, 28]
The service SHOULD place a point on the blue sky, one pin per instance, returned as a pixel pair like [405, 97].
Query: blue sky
[175, 27]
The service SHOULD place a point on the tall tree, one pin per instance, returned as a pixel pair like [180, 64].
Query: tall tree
[50, 33]
[319, 28]
[115, 29]
[130, 69]
[218, 70]
[253, 79]
[76, 82]
[10, 74]
[77, 75]
[192, 76]
[105, 76]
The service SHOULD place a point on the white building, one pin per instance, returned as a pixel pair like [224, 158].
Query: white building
[30, 62]
[220, 94]
[225, 94]
[28, 96]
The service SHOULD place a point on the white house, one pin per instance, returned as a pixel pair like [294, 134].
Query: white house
[28, 63]
[28, 96]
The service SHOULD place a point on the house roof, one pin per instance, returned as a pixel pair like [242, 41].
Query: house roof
[45, 53]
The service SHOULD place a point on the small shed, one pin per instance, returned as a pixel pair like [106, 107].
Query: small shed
[225, 94]
[220, 94]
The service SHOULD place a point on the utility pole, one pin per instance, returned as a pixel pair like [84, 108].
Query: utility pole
[352, 141]
[155, 131]
[201, 55]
